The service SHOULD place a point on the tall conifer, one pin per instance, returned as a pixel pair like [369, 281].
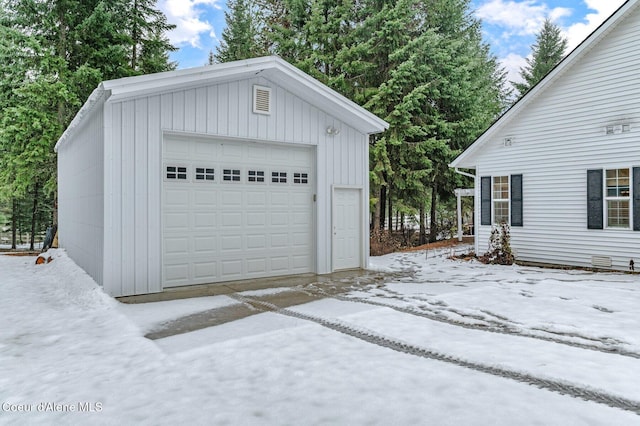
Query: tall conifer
[546, 52]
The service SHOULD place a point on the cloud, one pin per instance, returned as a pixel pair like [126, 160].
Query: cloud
[188, 17]
[519, 18]
[512, 64]
[577, 32]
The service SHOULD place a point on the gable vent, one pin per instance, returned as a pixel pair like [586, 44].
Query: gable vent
[261, 100]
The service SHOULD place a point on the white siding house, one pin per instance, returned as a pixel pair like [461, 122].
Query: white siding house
[562, 166]
[232, 171]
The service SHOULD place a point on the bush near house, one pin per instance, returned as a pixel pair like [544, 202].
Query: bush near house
[500, 252]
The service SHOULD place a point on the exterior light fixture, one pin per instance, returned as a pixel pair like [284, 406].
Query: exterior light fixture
[332, 131]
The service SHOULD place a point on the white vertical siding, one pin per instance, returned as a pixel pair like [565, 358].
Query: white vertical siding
[223, 110]
[557, 138]
[80, 196]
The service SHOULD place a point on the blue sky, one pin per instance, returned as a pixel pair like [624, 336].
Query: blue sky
[509, 25]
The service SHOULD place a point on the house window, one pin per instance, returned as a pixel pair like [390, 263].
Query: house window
[279, 177]
[256, 176]
[301, 178]
[501, 199]
[204, 174]
[617, 198]
[231, 175]
[176, 172]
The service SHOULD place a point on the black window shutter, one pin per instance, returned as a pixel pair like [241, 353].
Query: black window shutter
[636, 198]
[595, 205]
[516, 200]
[485, 200]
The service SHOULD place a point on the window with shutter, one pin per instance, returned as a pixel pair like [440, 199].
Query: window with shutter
[500, 199]
[485, 200]
[636, 198]
[595, 209]
[516, 200]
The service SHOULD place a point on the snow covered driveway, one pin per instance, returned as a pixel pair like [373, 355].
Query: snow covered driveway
[443, 342]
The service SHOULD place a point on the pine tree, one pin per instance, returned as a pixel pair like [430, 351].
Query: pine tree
[52, 55]
[546, 52]
[149, 45]
[419, 64]
[240, 36]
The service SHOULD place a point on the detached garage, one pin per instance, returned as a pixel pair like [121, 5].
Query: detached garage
[233, 171]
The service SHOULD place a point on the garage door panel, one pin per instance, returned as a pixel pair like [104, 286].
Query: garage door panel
[279, 219]
[204, 221]
[257, 152]
[205, 270]
[176, 222]
[176, 273]
[232, 219]
[176, 245]
[205, 245]
[205, 150]
[301, 239]
[258, 242]
[231, 243]
[205, 198]
[231, 197]
[231, 269]
[280, 199]
[301, 262]
[279, 263]
[302, 219]
[279, 240]
[175, 197]
[230, 151]
[177, 149]
[257, 266]
[256, 219]
[216, 230]
[256, 199]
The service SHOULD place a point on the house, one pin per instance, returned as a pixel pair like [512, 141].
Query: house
[562, 165]
[232, 171]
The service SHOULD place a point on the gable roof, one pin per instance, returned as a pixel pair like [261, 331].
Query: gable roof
[272, 68]
[467, 160]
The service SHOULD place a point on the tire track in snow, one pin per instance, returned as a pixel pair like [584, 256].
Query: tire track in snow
[557, 386]
[495, 327]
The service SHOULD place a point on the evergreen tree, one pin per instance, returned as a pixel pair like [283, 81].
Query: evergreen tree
[149, 45]
[419, 64]
[546, 52]
[240, 36]
[52, 55]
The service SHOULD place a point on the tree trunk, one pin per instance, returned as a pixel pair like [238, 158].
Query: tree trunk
[134, 37]
[423, 228]
[383, 204]
[433, 227]
[376, 216]
[34, 213]
[390, 211]
[14, 224]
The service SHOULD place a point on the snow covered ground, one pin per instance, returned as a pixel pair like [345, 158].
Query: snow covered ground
[439, 342]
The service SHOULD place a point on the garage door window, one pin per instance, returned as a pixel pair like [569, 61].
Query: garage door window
[204, 174]
[279, 177]
[176, 173]
[302, 178]
[256, 176]
[231, 175]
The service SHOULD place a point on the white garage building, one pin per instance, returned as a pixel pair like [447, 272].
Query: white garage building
[233, 171]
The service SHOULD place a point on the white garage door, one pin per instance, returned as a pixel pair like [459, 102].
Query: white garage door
[235, 210]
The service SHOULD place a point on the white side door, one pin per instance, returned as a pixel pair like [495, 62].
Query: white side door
[347, 228]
